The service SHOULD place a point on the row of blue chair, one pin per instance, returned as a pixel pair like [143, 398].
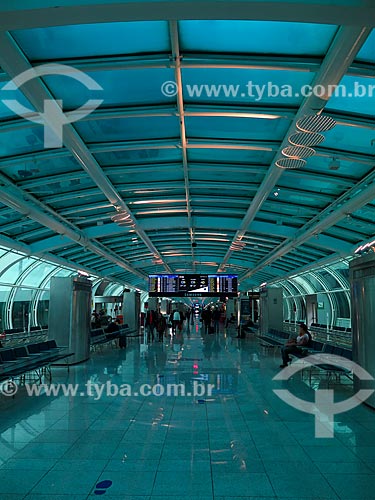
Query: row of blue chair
[18, 361]
[100, 336]
[277, 338]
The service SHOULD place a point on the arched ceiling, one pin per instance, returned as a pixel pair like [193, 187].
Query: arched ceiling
[191, 161]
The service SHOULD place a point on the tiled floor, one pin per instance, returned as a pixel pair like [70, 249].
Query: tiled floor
[242, 442]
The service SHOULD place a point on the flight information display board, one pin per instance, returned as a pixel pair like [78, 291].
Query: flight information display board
[192, 285]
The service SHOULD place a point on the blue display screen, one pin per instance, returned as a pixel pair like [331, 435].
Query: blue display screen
[192, 285]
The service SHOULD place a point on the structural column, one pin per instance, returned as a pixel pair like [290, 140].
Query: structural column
[362, 287]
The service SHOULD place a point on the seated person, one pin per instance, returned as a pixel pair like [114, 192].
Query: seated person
[113, 326]
[294, 345]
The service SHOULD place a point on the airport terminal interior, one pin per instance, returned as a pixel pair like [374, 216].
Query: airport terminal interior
[185, 188]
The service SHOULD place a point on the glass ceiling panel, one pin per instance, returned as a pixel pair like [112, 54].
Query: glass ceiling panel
[348, 169]
[250, 86]
[59, 187]
[59, 162]
[256, 37]
[355, 139]
[78, 201]
[356, 225]
[122, 87]
[223, 155]
[17, 142]
[138, 180]
[92, 40]
[366, 212]
[209, 177]
[291, 178]
[139, 156]
[236, 128]
[128, 129]
[367, 52]
[300, 197]
[354, 95]
[19, 100]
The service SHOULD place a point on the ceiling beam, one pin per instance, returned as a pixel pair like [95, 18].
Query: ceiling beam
[245, 145]
[29, 206]
[53, 259]
[340, 55]
[13, 61]
[274, 62]
[353, 199]
[176, 57]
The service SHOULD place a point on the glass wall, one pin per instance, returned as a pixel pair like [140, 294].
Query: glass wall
[24, 289]
[330, 285]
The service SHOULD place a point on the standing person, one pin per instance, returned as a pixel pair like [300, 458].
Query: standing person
[161, 325]
[176, 320]
[216, 319]
[150, 323]
[206, 318]
[294, 345]
[188, 312]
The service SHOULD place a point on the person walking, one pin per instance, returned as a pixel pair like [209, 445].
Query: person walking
[176, 320]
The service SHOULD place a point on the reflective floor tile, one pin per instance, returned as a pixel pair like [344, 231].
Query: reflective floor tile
[182, 483]
[302, 485]
[242, 484]
[353, 487]
[129, 482]
[19, 482]
[70, 482]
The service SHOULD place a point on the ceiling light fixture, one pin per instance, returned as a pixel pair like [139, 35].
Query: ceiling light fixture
[237, 246]
[306, 139]
[298, 152]
[123, 218]
[367, 247]
[291, 163]
[315, 123]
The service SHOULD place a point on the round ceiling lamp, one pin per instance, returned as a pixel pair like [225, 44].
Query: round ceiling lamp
[292, 163]
[306, 139]
[298, 152]
[316, 123]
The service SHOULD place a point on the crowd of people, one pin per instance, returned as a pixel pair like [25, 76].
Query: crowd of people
[157, 324]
